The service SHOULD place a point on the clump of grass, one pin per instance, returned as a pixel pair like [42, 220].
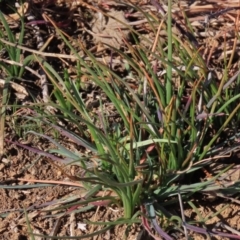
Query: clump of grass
[165, 129]
[8, 73]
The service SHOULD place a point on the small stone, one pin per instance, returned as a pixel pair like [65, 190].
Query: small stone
[2, 166]
[5, 160]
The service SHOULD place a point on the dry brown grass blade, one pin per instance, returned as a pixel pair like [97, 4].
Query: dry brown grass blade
[51, 182]
[40, 53]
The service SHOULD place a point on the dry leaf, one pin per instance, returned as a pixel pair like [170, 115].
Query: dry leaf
[110, 30]
[21, 92]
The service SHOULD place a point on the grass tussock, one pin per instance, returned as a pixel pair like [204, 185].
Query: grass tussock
[152, 113]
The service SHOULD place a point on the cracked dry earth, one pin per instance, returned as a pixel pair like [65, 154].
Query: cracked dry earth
[41, 203]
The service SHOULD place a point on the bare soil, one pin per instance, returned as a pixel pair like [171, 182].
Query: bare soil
[13, 225]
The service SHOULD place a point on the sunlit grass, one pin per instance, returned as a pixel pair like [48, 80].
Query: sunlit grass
[165, 129]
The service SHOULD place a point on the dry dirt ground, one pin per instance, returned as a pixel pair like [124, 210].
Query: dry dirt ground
[17, 163]
[13, 225]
